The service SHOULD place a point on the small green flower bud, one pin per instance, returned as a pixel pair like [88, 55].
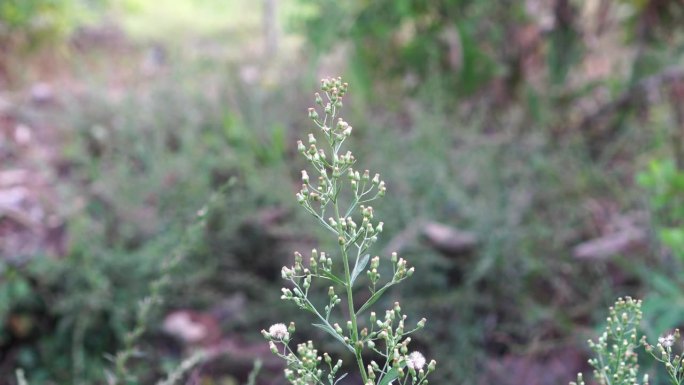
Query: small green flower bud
[291, 328]
[274, 348]
[313, 115]
[318, 99]
[421, 323]
[366, 176]
[394, 257]
[370, 344]
[375, 262]
[341, 124]
[375, 366]
[300, 146]
[285, 272]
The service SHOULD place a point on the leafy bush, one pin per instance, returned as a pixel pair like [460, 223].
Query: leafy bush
[665, 184]
[135, 173]
[34, 21]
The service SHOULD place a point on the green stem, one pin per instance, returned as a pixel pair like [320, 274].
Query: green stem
[350, 300]
[352, 316]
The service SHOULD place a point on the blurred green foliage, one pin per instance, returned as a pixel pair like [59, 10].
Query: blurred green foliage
[407, 40]
[665, 183]
[27, 23]
[136, 172]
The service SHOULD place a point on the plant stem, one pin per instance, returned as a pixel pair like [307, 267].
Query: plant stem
[350, 303]
[352, 316]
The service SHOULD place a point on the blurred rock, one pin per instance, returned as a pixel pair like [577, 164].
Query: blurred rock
[620, 242]
[10, 178]
[22, 135]
[42, 94]
[619, 233]
[448, 240]
[193, 328]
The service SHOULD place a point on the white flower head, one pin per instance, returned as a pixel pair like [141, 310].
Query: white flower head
[666, 341]
[278, 331]
[415, 361]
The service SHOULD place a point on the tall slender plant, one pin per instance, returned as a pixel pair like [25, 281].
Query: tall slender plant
[338, 197]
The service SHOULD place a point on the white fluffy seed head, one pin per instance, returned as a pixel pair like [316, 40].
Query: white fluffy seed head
[278, 331]
[415, 360]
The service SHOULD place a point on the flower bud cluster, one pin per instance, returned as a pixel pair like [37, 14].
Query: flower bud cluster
[664, 352]
[303, 366]
[615, 361]
[400, 270]
[391, 333]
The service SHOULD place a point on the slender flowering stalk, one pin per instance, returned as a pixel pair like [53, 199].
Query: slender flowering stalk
[338, 196]
[616, 359]
[665, 353]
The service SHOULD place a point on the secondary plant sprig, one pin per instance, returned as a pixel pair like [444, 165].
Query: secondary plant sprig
[338, 196]
[616, 359]
[664, 353]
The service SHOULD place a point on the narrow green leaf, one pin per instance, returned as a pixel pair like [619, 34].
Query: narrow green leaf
[332, 332]
[358, 268]
[374, 298]
[389, 377]
[332, 277]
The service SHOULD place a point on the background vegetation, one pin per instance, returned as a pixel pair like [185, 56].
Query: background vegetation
[534, 155]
